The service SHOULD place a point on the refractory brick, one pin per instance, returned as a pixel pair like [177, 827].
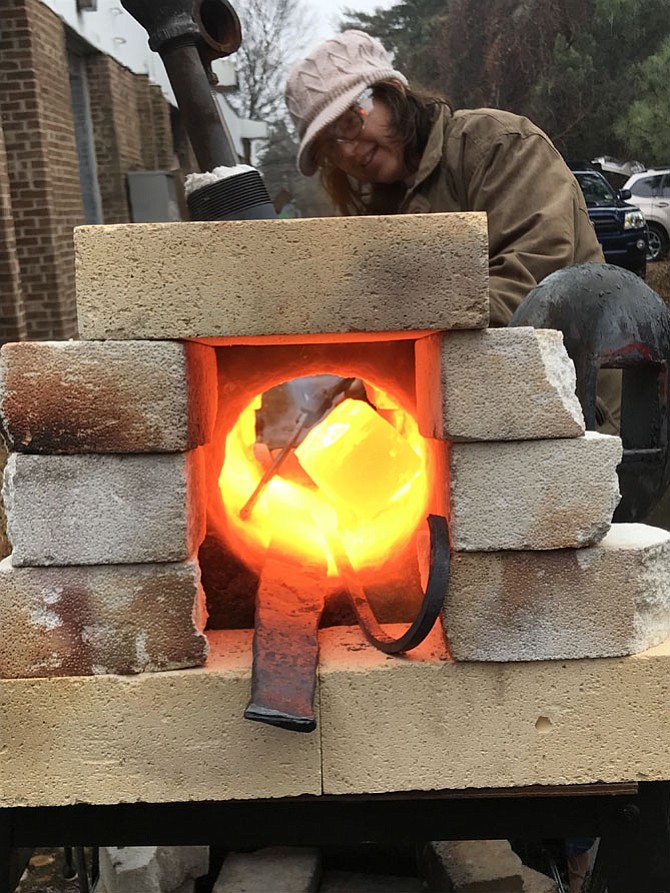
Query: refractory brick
[473, 866]
[534, 494]
[409, 723]
[107, 397]
[497, 384]
[153, 737]
[607, 600]
[249, 279]
[79, 621]
[104, 509]
[386, 723]
[152, 869]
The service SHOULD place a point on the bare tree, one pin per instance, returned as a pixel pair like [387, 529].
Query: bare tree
[276, 33]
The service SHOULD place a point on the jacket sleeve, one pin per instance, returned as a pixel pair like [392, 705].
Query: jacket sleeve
[536, 217]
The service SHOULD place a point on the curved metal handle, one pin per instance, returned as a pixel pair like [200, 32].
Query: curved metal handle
[433, 599]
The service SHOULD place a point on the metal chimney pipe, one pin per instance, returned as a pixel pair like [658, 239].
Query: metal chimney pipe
[187, 48]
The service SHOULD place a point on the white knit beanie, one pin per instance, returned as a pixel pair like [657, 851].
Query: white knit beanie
[328, 81]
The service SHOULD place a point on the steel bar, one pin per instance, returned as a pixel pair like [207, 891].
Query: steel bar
[606, 811]
[289, 604]
[431, 606]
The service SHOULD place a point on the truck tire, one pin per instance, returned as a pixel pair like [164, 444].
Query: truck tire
[658, 242]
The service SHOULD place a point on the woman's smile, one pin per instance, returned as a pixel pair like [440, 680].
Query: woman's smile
[376, 155]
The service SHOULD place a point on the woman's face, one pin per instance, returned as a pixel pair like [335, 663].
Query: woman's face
[375, 155]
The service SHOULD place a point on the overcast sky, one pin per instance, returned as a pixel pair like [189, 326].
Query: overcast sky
[328, 12]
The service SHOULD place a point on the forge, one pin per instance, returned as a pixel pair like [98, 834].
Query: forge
[288, 474]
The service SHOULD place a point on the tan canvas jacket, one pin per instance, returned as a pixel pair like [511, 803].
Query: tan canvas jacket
[493, 161]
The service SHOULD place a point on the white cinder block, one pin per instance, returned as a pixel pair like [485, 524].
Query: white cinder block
[497, 384]
[537, 494]
[276, 869]
[607, 600]
[104, 509]
[468, 866]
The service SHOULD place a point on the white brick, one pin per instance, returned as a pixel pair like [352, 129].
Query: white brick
[104, 509]
[537, 494]
[271, 870]
[498, 384]
[152, 869]
[153, 738]
[75, 621]
[608, 600]
[107, 397]
[536, 882]
[473, 866]
[256, 278]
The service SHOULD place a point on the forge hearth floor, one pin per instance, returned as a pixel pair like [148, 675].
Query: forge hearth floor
[385, 724]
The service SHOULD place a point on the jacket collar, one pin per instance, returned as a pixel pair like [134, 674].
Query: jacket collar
[432, 154]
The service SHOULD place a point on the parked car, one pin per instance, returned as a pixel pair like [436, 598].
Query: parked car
[620, 227]
[651, 190]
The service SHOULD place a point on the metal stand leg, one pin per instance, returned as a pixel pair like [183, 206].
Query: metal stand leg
[5, 852]
[12, 860]
[636, 849]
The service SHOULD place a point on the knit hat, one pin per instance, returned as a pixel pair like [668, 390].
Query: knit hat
[328, 81]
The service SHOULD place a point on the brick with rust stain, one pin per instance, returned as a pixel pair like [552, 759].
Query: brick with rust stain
[107, 397]
[82, 621]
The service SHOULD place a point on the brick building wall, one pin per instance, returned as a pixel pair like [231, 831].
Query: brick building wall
[40, 186]
[116, 114]
[41, 162]
[12, 310]
[123, 124]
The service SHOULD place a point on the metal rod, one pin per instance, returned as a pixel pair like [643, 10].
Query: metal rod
[201, 117]
[433, 600]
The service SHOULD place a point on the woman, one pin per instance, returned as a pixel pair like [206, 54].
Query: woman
[382, 148]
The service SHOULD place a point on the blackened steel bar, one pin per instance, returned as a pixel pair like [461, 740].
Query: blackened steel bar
[636, 849]
[597, 810]
[431, 606]
[289, 604]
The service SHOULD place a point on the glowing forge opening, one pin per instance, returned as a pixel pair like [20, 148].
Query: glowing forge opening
[370, 486]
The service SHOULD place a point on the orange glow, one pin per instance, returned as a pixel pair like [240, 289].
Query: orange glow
[371, 486]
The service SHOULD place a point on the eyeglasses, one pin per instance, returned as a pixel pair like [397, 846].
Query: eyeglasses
[348, 127]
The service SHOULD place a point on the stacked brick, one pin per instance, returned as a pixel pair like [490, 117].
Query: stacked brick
[531, 494]
[105, 514]
[103, 491]
[106, 472]
[528, 489]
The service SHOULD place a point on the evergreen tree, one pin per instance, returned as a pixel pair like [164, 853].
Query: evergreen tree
[278, 166]
[644, 128]
[592, 73]
[410, 31]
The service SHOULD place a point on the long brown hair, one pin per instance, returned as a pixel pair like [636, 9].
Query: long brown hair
[412, 116]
